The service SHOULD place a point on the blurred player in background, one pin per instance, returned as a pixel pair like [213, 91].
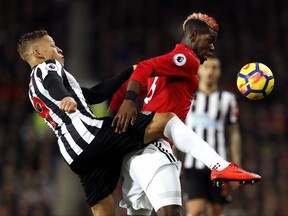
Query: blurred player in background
[151, 176]
[213, 112]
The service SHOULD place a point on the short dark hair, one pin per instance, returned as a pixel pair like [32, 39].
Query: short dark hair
[200, 22]
[26, 39]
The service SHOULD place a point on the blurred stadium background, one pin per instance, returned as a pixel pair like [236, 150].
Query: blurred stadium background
[99, 39]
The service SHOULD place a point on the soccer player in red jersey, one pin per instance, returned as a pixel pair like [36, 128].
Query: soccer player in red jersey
[151, 176]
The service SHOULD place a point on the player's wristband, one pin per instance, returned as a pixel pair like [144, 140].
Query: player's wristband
[131, 95]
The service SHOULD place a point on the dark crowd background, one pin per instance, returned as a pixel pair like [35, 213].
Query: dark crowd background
[102, 37]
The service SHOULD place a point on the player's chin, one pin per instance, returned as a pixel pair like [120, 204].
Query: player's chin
[62, 62]
[203, 59]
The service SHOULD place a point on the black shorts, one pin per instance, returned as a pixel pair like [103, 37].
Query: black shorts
[99, 165]
[198, 185]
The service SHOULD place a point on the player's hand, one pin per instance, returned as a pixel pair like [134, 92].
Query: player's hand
[126, 115]
[68, 104]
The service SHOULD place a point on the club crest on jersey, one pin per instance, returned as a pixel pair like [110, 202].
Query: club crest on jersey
[51, 67]
[179, 59]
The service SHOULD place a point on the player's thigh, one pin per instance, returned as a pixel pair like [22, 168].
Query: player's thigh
[215, 209]
[164, 188]
[139, 169]
[100, 180]
[195, 207]
[156, 127]
[134, 197]
[104, 207]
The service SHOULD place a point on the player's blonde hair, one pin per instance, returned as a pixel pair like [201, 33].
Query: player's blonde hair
[25, 41]
[203, 18]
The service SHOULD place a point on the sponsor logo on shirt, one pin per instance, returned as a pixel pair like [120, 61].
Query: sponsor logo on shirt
[179, 59]
[51, 67]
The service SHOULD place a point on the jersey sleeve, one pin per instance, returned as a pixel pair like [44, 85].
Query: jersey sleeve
[53, 81]
[106, 89]
[118, 98]
[51, 66]
[171, 64]
[233, 110]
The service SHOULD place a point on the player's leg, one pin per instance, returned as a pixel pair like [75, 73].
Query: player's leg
[164, 191]
[197, 183]
[215, 209]
[154, 165]
[186, 140]
[105, 207]
[134, 198]
[195, 207]
[218, 198]
[99, 177]
[189, 142]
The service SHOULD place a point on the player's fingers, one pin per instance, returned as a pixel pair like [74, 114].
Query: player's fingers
[133, 119]
[115, 122]
[61, 106]
[126, 124]
[71, 108]
[121, 124]
[65, 106]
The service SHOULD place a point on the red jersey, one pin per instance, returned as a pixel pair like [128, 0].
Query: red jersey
[171, 81]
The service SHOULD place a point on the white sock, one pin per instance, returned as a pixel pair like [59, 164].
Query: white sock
[187, 141]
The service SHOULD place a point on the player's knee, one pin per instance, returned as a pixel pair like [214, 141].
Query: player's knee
[167, 116]
[104, 207]
[163, 119]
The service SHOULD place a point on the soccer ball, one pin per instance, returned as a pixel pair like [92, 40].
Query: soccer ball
[255, 81]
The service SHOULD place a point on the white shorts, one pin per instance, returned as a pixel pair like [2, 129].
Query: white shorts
[151, 179]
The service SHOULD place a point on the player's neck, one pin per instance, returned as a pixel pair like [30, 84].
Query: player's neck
[207, 89]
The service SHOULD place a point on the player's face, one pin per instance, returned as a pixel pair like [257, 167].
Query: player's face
[210, 71]
[48, 50]
[204, 45]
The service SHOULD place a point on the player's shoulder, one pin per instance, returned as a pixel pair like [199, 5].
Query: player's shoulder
[50, 65]
[227, 94]
[182, 55]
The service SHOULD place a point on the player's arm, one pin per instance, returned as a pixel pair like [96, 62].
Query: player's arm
[106, 89]
[235, 147]
[234, 134]
[127, 112]
[53, 83]
[235, 143]
[119, 97]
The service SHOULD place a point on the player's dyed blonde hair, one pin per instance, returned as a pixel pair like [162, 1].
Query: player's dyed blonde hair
[200, 17]
[25, 41]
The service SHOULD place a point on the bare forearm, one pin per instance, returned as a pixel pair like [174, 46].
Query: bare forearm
[134, 86]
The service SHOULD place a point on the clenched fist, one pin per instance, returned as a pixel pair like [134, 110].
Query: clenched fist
[68, 104]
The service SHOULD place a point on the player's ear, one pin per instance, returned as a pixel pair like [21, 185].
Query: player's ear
[37, 53]
[193, 35]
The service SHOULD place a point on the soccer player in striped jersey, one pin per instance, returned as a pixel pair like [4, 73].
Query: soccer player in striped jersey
[151, 176]
[211, 112]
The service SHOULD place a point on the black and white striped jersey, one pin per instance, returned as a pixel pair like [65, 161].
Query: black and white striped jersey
[208, 116]
[75, 131]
